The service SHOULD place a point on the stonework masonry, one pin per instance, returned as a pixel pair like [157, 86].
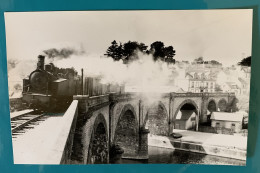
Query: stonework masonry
[126, 117]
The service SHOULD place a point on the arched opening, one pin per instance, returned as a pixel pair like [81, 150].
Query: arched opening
[98, 149]
[126, 133]
[186, 118]
[212, 107]
[222, 104]
[157, 121]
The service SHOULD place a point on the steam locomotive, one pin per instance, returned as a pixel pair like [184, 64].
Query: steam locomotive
[52, 88]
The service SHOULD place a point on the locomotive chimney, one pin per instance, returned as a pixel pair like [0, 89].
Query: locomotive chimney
[40, 64]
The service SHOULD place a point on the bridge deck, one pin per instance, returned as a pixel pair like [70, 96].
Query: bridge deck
[45, 142]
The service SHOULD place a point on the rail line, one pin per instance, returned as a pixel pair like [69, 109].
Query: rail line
[25, 121]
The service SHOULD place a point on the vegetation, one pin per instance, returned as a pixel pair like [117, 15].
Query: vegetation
[245, 62]
[128, 51]
[200, 60]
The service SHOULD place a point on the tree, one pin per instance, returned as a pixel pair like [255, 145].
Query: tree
[169, 52]
[199, 60]
[163, 53]
[214, 62]
[128, 51]
[115, 51]
[245, 62]
[156, 49]
[142, 47]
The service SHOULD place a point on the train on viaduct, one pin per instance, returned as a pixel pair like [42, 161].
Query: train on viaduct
[105, 123]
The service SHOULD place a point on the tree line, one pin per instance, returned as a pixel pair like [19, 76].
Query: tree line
[128, 51]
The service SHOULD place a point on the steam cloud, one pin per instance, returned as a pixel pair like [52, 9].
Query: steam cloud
[142, 75]
[17, 71]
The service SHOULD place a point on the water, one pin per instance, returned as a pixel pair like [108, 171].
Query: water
[163, 155]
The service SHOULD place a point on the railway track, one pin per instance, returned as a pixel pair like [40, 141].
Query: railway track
[25, 121]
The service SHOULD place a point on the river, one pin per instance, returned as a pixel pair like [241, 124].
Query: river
[164, 155]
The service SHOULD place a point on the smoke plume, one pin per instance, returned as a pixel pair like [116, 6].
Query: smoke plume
[142, 75]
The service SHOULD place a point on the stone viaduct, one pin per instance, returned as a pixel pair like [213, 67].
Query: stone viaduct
[117, 125]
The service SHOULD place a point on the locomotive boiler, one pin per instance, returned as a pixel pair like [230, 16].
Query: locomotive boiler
[49, 87]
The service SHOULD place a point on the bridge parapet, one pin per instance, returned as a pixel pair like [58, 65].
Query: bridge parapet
[113, 97]
[173, 94]
[63, 146]
[218, 94]
[97, 100]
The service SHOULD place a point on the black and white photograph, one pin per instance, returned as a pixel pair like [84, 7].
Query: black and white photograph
[129, 87]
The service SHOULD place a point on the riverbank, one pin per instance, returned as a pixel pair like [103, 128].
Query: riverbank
[206, 143]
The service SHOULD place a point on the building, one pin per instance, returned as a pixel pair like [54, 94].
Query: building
[232, 121]
[231, 87]
[234, 81]
[200, 80]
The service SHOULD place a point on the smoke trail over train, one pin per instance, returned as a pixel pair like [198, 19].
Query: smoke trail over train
[143, 74]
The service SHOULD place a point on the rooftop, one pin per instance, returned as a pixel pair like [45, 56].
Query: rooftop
[226, 116]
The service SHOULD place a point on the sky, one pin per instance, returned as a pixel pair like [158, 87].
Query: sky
[222, 35]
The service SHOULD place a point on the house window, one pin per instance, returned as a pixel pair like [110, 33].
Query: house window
[192, 85]
[218, 125]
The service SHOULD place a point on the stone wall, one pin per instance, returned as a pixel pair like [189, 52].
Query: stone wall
[157, 120]
[85, 133]
[126, 134]
[119, 109]
[123, 115]
[66, 136]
